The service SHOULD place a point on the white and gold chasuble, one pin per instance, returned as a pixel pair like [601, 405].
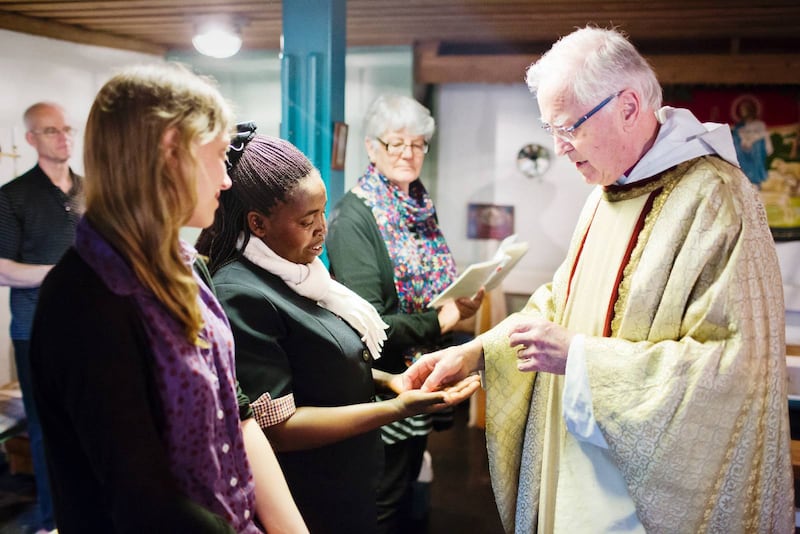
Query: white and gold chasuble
[675, 282]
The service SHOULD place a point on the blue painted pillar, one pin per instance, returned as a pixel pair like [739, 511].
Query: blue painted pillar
[312, 82]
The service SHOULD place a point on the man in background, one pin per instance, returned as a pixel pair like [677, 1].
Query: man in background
[644, 388]
[38, 214]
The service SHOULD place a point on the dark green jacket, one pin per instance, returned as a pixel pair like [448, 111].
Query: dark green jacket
[287, 344]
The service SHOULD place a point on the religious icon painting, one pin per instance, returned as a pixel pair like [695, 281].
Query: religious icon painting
[489, 221]
[765, 125]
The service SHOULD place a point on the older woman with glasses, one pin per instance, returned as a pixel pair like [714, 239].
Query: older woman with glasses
[384, 243]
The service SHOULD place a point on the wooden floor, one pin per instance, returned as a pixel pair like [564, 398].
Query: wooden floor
[17, 494]
[461, 494]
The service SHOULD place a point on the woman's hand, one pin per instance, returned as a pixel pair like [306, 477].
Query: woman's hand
[415, 401]
[467, 307]
[454, 311]
[394, 383]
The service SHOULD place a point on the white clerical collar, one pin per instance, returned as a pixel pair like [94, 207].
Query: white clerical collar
[682, 137]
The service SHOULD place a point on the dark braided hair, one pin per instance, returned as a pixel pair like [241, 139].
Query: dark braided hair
[265, 173]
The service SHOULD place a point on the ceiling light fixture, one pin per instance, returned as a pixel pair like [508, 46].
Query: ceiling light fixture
[218, 38]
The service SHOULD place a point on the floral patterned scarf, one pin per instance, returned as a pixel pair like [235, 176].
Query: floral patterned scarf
[423, 264]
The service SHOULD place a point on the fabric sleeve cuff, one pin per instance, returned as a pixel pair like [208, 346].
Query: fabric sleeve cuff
[577, 397]
[268, 411]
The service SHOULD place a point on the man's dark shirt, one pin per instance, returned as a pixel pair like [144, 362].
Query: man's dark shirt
[37, 225]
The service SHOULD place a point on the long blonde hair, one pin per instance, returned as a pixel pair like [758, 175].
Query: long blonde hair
[133, 197]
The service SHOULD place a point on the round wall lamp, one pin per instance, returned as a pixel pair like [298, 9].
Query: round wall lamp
[219, 38]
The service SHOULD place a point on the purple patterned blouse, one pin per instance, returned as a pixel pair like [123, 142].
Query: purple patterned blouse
[196, 386]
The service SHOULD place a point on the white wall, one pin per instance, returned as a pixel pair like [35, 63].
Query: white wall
[789, 257]
[34, 69]
[481, 128]
[250, 81]
[370, 73]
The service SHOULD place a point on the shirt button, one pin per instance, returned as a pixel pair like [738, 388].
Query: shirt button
[220, 414]
[365, 355]
[234, 481]
[247, 514]
[225, 448]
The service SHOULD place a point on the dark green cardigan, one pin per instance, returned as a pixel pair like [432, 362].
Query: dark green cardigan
[359, 260]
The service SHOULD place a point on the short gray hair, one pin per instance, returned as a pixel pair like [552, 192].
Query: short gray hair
[593, 63]
[397, 112]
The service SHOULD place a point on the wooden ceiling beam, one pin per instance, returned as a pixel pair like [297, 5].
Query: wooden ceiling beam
[69, 13]
[65, 32]
[69, 5]
[714, 69]
[728, 69]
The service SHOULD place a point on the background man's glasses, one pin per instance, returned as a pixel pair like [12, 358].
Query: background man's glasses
[568, 133]
[398, 148]
[50, 131]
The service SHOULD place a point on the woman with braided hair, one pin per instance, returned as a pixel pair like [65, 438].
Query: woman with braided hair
[304, 343]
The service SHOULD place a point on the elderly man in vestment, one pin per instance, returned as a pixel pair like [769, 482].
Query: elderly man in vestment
[644, 388]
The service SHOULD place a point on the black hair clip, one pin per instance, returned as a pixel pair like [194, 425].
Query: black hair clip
[245, 131]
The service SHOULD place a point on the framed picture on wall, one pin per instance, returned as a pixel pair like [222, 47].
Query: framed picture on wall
[489, 221]
[339, 146]
[765, 124]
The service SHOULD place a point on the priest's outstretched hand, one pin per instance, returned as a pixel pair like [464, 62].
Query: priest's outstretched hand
[445, 368]
[415, 400]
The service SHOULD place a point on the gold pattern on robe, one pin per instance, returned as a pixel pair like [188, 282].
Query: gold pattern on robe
[690, 388]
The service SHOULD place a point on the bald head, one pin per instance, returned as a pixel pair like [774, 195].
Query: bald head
[48, 132]
[39, 109]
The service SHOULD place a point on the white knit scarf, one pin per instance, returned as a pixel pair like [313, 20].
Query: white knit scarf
[313, 281]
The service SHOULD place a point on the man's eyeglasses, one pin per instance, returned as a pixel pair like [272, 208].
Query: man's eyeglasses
[51, 131]
[398, 148]
[568, 133]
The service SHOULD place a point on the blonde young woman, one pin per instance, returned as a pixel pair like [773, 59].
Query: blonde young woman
[132, 354]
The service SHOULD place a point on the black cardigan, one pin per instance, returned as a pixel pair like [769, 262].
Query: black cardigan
[101, 414]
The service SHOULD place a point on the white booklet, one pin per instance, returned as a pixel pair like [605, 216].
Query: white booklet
[488, 274]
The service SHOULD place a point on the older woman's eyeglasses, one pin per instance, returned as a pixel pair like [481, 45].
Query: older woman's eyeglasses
[51, 131]
[398, 148]
[567, 133]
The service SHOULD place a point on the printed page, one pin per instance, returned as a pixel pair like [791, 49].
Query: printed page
[513, 253]
[488, 274]
[469, 282]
